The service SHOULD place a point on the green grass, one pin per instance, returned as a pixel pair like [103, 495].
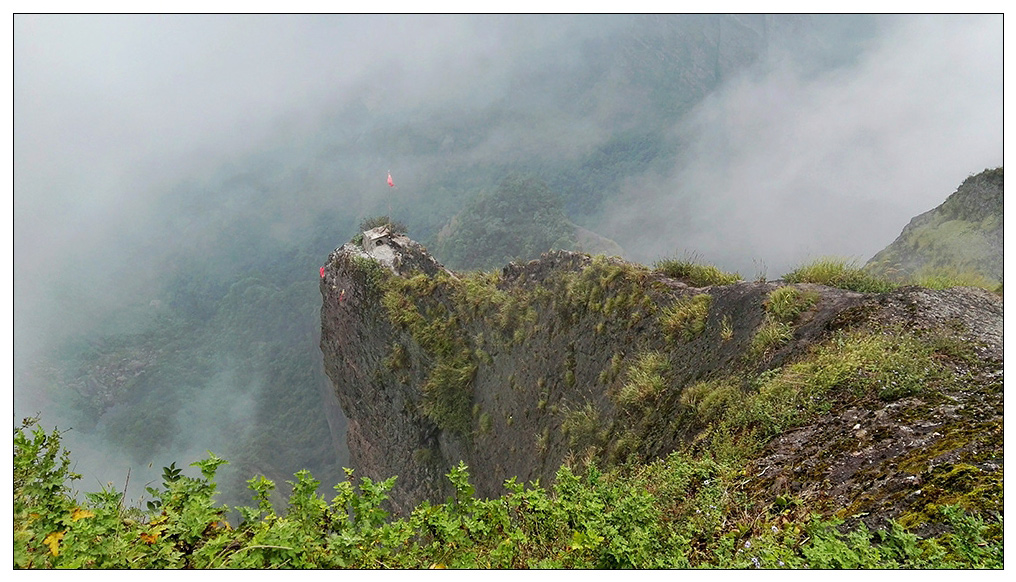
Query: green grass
[783, 306]
[840, 273]
[695, 274]
[448, 394]
[583, 427]
[947, 277]
[710, 399]
[726, 329]
[645, 380]
[543, 440]
[373, 275]
[786, 303]
[447, 390]
[853, 365]
[485, 423]
[771, 334]
[687, 316]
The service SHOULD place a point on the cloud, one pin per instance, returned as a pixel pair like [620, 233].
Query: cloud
[785, 166]
[143, 141]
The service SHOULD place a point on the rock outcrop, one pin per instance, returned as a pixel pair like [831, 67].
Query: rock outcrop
[572, 357]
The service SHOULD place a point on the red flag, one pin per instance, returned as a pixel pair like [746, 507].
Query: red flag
[322, 272]
[390, 182]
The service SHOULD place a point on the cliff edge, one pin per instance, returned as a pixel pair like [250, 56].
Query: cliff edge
[869, 405]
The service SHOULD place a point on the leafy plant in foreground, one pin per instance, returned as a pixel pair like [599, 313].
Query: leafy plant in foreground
[677, 512]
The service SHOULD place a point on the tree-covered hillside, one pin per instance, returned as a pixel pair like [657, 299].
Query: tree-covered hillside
[519, 220]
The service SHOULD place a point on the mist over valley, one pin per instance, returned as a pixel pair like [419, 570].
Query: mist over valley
[180, 179]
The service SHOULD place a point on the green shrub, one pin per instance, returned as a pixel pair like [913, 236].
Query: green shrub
[394, 226]
[676, 512]
[695, 274]
[840, 273]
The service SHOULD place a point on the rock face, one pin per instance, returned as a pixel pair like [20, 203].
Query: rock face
[520, 371]
[962, 234]
[903, 457]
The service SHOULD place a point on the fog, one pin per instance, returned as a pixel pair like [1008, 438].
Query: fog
[154, 147]
[781, 168]
[111, 112]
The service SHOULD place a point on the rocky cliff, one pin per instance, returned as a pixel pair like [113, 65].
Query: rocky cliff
[876, 405]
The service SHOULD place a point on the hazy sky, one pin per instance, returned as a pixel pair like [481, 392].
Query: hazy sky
[110, 112]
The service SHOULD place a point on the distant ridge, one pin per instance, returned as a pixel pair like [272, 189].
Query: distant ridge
[963, 234]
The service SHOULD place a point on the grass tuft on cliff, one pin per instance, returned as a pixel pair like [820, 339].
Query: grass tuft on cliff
[686, 317]
[645, 381]
[948, 277]
[695, 274]
[840, 273]
[786, 303]
[852, 365]
[782, 306]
